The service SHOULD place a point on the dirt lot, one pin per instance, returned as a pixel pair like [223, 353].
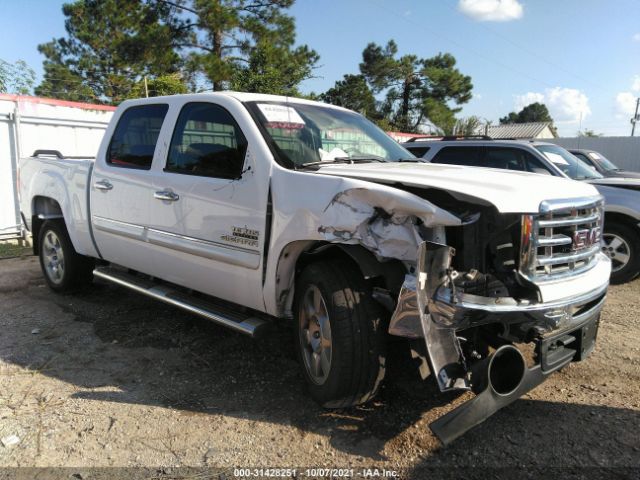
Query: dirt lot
[110, 378]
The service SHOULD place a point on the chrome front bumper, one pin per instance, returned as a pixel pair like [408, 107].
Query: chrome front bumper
[428, 310]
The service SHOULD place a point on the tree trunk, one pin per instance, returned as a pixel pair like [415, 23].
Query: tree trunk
[404, 112]
[217, 52]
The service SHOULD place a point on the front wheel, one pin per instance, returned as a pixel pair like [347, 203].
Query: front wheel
[621, 244]
[340, 334]
[64, 269]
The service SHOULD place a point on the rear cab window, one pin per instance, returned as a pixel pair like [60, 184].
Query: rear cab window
[134, 139]
[469, 156]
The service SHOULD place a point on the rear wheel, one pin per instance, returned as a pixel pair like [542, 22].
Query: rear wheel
[340, 334]
[64, 269]
[621, 244]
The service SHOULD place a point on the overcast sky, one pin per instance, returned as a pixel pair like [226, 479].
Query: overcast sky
[579, 57]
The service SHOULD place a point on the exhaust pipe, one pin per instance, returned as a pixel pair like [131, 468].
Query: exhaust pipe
[502, 372]
[497, 381]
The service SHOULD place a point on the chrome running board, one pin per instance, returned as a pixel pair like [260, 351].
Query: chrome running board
[222, 315]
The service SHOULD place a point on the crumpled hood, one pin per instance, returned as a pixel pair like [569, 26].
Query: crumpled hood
[508, 191]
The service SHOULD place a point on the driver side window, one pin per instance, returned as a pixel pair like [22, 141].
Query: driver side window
[206, 142]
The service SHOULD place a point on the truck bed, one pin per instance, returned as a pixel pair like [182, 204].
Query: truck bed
[66, 180]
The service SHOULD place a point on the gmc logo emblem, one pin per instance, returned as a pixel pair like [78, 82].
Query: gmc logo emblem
[586, 238]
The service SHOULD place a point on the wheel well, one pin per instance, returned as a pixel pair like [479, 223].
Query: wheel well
[615, 217]
[44, 208]
[387, 275]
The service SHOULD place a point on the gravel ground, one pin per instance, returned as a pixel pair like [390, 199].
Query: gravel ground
[108, 378]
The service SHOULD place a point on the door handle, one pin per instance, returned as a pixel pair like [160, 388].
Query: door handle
[166, 195]
[103, 185]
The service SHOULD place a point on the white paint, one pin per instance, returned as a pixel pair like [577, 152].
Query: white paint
[208, 210]
[357, 203]
[509, 191]
[381, 222]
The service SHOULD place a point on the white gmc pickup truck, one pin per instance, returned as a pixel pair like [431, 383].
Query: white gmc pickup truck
[247, 208]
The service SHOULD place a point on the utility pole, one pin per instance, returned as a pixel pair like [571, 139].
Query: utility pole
[146, 88]
[635, 118]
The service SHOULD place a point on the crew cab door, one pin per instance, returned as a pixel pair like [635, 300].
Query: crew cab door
[209, 204]
[121, 185]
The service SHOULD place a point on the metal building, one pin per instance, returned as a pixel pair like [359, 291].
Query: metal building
[31, 123]
[537, 130]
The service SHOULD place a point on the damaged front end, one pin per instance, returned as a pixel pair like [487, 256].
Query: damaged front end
[500, 334]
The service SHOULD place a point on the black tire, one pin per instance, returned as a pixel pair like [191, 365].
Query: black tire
[357, 332]
[65, 272]
[631, 246]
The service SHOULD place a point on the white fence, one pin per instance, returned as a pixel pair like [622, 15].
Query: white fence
[30, 123]
[623, 151]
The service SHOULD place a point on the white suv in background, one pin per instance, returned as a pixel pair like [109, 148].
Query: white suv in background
[621, 238]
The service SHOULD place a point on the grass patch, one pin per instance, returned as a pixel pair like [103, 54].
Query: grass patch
[10, 249]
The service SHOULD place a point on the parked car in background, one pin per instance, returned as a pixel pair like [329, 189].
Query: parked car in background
[601, 164]
[621, 236]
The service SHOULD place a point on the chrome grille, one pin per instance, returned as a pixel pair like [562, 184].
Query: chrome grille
[562, 240]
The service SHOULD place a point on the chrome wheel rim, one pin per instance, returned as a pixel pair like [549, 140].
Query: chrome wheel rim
[617, 249]
[315, 335]
[53, 257]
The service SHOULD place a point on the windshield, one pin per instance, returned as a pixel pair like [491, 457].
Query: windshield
[604, 162]
[569, 164]
[303, 134]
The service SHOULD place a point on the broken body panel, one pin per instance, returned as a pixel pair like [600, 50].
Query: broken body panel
[432, 305]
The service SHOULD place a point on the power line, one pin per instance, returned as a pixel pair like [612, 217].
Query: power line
[464, 47]
[532, 53]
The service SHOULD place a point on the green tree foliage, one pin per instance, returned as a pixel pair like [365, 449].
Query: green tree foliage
[274, 70]
[16, 77]
[532, 113]
[110, 46]
[472, 125]
[171, 84]
[535, 112]
[352, 92]
[511, 118]
[416, 90]
[244, 44]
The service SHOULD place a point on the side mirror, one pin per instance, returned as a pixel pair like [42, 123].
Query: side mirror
[541, 171]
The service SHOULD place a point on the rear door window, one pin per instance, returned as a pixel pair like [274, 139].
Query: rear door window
[470, 156]
[505, 158]
[206, 142]
[135, 137]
